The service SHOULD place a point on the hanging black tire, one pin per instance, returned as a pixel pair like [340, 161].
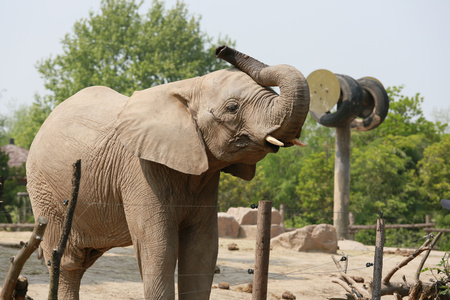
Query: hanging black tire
[348, 106]
[375, 105]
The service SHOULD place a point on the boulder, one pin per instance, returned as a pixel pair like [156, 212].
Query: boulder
[244, 215]
[250, 231]
[320, 238]
[228, 226]
[351, 245]
[249, 216]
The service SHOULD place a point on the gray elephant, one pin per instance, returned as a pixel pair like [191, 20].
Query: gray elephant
[151, 165]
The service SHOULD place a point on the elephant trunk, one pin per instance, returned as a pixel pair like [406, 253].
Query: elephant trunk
[290, 107]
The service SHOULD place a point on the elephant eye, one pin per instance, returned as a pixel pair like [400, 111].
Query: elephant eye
[232, 107]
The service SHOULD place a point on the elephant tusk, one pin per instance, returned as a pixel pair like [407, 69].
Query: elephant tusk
[298, 142]
[274, 141]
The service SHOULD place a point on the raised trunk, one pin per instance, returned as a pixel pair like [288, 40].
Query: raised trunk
[291, 107]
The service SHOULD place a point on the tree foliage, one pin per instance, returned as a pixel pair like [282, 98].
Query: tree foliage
[26, 121]
[12, 177]
[126, 51]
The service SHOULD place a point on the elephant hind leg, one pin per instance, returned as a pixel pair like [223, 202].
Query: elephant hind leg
[73, 266]
[69, 283]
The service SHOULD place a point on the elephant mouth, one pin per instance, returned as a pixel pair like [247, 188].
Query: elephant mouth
[273, 148]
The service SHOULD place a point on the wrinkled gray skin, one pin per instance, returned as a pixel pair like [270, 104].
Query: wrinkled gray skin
[151, 165]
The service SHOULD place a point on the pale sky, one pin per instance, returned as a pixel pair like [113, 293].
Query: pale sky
[399, 42]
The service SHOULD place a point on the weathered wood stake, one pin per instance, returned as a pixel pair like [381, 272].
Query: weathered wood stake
[18, 261]
[262, 251]
[378, 260]
[58, 253]
[282, 212]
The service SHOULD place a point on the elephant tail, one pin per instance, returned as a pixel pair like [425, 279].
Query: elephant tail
[40, 252]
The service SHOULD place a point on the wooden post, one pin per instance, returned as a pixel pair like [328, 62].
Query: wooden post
[427, 219]
[262, 251]
[282, 209]
[2, 182]
[21, 288]
[378, 260]
[342, 182]
[351, 220]
[57, 253]
[18, 261]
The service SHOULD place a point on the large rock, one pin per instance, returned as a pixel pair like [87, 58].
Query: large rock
[249, 216]
[251, 231]
[351, 245]
[321, 238]
[228, 226]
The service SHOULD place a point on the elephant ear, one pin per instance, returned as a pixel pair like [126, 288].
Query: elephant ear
[156, 125]
[244, 171]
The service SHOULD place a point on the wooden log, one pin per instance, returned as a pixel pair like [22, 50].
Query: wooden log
[262, 251]
[18, 261]
[353, 287]
[392, 226]
[17, 226]
[57, 253]
[425, 257]
[21, 288]
[413, 255]
[443, 230]
[2, 185]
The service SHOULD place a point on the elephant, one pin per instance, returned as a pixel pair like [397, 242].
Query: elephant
[150, 168]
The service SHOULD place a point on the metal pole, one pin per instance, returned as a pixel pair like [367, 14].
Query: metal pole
[378, 260]
[262, 251]
[342, 182]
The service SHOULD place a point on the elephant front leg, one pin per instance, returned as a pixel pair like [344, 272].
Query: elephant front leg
[156, 245]
[157, 266]
[197, 257]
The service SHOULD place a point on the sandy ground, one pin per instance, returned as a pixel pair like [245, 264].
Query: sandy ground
[307, 275]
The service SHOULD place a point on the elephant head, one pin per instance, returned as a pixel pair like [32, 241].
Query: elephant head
[229, 119]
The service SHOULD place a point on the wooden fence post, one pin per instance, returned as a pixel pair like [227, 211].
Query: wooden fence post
[282, 210]
[428, 219]
[351, 220]
[262, 251]
[378, 260]
[57, 253]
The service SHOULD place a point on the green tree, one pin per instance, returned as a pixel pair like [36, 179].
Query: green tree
[315, 188]
[435, 178]
[126, 51]
[26, 121]
[385, 169]
[11, 178]
[234, 192]
[442, 116]
[3, 137]
[435, 170]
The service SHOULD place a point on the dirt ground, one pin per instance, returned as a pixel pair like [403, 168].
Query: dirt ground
[306, 275]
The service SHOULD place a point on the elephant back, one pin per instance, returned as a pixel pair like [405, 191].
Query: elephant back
[78, 128]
